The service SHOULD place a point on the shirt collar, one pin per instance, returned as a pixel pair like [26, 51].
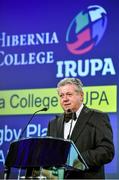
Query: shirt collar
[79, 110]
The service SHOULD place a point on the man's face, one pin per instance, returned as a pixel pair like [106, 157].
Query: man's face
[69, 98]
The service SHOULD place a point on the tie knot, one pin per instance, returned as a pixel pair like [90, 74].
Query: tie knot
[69, 116]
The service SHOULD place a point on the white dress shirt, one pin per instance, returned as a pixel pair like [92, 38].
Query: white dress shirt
[68, 125]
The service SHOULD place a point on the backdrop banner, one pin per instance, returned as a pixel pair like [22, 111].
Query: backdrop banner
[42, 42]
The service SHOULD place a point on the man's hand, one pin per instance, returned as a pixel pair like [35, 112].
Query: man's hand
[78, 164]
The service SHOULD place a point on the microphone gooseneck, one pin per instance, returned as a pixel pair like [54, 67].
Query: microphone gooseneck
[43, 109]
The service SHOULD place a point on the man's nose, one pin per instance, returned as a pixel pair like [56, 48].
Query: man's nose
[66, 98]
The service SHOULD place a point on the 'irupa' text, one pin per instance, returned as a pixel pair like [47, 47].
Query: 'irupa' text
[85, 67]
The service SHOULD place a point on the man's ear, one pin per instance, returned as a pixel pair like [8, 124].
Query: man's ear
[82, 95]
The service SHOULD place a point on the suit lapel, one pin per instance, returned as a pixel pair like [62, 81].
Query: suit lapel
[60, 127]
[81, 123]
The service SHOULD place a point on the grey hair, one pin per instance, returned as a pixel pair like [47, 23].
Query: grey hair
[74, 81]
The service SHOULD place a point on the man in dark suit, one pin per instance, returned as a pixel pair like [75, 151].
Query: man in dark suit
[90, 130]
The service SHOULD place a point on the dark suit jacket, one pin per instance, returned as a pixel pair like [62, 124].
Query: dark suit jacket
[93, 137]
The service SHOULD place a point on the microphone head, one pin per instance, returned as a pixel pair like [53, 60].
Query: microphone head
[44, 109]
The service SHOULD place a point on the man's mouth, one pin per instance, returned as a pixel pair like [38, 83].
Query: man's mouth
[67, 105]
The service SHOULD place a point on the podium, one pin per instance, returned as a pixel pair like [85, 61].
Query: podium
[43, 153]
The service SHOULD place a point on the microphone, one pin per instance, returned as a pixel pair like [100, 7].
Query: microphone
[43, 109]
[72, 116]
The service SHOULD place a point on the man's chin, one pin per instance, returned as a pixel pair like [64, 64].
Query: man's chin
[67, 109]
